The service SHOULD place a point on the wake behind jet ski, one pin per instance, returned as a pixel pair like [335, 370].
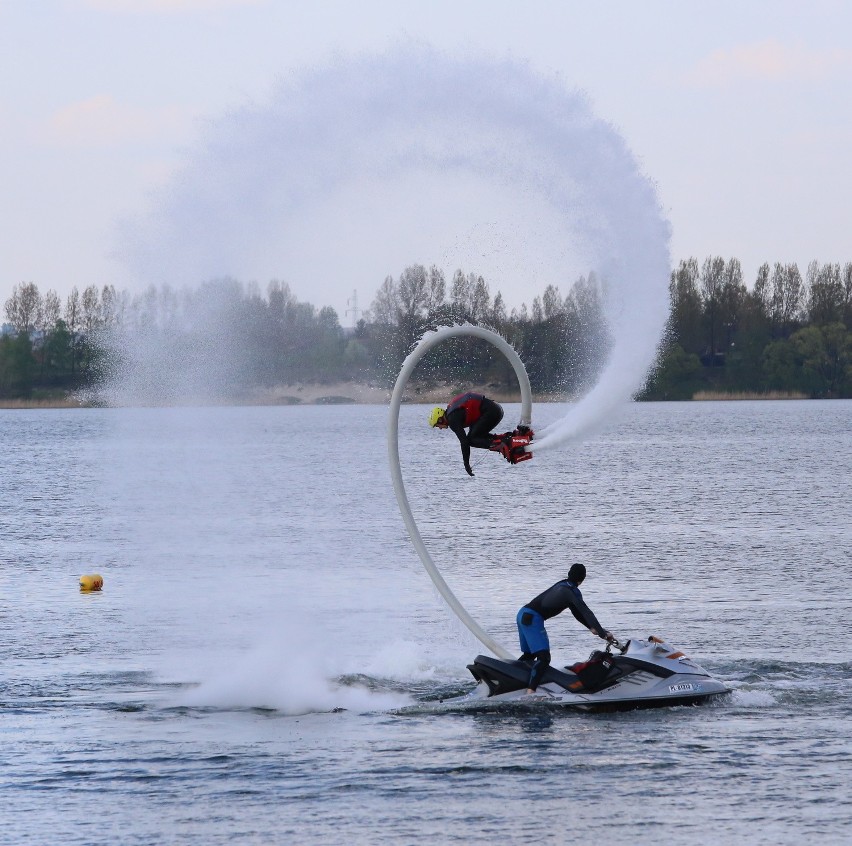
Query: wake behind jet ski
[640, 674]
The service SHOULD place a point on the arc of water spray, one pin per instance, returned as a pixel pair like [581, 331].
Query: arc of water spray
[262, 170]
[426, 343]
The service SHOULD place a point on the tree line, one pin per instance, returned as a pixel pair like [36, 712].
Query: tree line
[786, 333]
[47, 346]
[271, 338]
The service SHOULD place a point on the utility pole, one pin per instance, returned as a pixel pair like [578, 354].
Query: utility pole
[353, 309]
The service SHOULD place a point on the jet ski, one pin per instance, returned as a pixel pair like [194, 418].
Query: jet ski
[639, 674]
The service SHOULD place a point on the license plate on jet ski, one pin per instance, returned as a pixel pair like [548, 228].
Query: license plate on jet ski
[683, 687]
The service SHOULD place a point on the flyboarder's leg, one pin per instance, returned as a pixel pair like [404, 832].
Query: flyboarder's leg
[479, 435]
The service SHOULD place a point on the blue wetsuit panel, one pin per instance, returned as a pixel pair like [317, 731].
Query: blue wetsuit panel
[532, 634]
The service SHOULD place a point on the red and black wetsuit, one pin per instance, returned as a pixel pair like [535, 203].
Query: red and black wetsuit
[478, 413]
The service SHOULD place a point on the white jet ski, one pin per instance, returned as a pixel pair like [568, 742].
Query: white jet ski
[640, 674]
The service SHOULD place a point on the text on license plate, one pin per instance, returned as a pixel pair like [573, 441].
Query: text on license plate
[680, 688]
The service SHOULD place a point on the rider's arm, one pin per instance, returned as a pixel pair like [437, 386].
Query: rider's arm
[583, 614]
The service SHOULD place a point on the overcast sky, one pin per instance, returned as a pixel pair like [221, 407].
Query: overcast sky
[740, 112]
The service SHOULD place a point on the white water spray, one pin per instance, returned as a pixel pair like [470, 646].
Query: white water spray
[276, 675]
[365, 125]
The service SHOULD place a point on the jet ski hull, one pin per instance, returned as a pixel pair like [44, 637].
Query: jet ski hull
[642, 675]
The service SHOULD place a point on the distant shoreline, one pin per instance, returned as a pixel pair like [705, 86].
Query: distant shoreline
[354, 393]
[341, 393]
[57, 402]
[712, 396]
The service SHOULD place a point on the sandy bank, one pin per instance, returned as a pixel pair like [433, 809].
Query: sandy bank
[352, 392]
[53, 402]
[339, 393]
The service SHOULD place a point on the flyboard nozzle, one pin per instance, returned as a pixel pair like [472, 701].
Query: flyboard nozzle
[91, 582]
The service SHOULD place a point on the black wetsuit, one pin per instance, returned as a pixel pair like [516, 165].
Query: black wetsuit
[562, 595]
[533, 636]
[480, 414]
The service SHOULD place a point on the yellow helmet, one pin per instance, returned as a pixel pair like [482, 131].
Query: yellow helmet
[435, 415]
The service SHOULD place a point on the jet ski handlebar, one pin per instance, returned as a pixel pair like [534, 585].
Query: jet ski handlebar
[615, 643]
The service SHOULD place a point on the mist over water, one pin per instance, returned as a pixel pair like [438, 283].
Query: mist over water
[289, 673]
[348, 167]
[177, 347]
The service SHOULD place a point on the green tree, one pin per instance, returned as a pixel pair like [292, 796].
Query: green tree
[685, 318]
[825, 356]
[57, 355]
[461, 296]
[781, 371]
[786, 299]
[847, 295]
[436, 294]
[17, 365]
[732, 297]
[24, 307]
[825, 294]
[761, 293]
[498, 316]
[480, 304]
[711, 283]
[356, 358]
[677, 376]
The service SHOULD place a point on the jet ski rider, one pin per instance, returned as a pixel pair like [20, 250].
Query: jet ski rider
[533, 636]
[469, 410]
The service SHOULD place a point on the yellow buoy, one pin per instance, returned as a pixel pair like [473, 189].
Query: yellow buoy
[93, 582]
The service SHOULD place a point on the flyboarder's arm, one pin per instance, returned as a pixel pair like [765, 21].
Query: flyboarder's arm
[455, 420]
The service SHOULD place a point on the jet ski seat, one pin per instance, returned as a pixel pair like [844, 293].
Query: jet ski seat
[505, 676]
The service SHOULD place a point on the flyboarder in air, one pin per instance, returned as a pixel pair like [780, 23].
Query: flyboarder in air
[479, 415]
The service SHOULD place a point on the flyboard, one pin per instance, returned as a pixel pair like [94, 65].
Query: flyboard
[427, 342]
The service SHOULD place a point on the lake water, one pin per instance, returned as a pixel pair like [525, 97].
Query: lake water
[247, 674]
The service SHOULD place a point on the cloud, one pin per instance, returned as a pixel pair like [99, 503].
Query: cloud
[101, 121]
[165, 6]
[767, 61]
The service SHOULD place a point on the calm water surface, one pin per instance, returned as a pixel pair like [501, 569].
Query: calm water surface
[260, 665]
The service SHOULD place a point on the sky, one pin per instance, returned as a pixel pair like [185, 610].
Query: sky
[740, 113]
